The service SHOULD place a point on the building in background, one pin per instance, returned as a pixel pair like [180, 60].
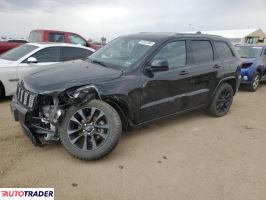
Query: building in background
[249, 36]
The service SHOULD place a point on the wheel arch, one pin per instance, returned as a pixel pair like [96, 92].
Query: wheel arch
[118, 104]
[259, 70]
[122, 109]
[2, 92]
[230, 80]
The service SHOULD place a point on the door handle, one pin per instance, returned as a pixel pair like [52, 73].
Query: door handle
[183, 73]
[217, 66]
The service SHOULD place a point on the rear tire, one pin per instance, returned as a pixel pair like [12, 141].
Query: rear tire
[91, 131]
[253, 86]
[222, 101]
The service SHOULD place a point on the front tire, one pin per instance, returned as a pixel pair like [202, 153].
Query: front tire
[253, 86]
[91, 131]
[222, 101]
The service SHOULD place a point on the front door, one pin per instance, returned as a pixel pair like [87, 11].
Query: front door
[163, 92]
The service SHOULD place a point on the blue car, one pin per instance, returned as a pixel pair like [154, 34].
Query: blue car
[253, 65]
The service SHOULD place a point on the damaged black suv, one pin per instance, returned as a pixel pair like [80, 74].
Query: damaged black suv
[133, 80]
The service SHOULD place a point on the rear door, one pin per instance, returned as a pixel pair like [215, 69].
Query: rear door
[205, 71]
[45, 57]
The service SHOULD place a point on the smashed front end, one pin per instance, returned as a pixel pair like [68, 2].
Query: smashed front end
[40, 115]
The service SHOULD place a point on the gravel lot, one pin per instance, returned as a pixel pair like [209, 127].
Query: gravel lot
[193, 156]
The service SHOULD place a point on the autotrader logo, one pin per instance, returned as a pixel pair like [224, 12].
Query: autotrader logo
[26, 193]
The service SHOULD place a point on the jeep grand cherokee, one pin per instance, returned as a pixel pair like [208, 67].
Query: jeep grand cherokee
[133, 80]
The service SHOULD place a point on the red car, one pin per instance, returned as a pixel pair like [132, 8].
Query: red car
[60, 36]
[10, 44]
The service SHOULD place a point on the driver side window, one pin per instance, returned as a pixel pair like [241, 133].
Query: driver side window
[174, 53]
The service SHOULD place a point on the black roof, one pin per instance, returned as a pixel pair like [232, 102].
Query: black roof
[156, 36]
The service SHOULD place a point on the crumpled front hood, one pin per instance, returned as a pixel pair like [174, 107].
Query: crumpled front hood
[59, 77]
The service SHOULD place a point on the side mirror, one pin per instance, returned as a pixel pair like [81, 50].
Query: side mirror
[32, 60]
[159, 65]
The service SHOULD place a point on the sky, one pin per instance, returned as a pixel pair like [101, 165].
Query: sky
[97, 18]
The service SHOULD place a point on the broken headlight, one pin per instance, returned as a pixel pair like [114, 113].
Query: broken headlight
[79, 93]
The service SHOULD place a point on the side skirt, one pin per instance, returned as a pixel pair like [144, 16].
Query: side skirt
[167, 116]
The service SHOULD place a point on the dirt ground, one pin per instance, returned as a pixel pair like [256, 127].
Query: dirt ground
[193, 156]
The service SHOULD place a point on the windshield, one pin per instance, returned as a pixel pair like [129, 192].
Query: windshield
[19, 52]
[122, 53]
[248, 51]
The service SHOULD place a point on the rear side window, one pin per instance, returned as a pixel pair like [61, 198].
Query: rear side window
[72, 53]
[223, 50]
[49, 54]
[56, 37]
[19, 52]
[202, 51]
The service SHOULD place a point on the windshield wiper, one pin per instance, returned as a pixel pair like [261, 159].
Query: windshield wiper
[99, 63]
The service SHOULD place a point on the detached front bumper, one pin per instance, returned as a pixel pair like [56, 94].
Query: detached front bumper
[19, 114]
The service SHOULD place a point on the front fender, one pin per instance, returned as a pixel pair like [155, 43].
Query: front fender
[86, 94]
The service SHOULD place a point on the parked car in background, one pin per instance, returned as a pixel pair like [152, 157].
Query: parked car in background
[17, 62]
[10, 44]
[253, 65]
[132, 81]
[60, 36]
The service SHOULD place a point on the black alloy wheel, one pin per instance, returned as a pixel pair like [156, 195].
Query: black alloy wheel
[88, 128]
[91, 131]
[222, 100]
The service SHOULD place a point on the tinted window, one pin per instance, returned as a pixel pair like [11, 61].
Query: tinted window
[223, 50]
[174, 53]
[49, 54]
[19, 52]
[72, 53]
[75, 39]
[202, 51]
[56, 37]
